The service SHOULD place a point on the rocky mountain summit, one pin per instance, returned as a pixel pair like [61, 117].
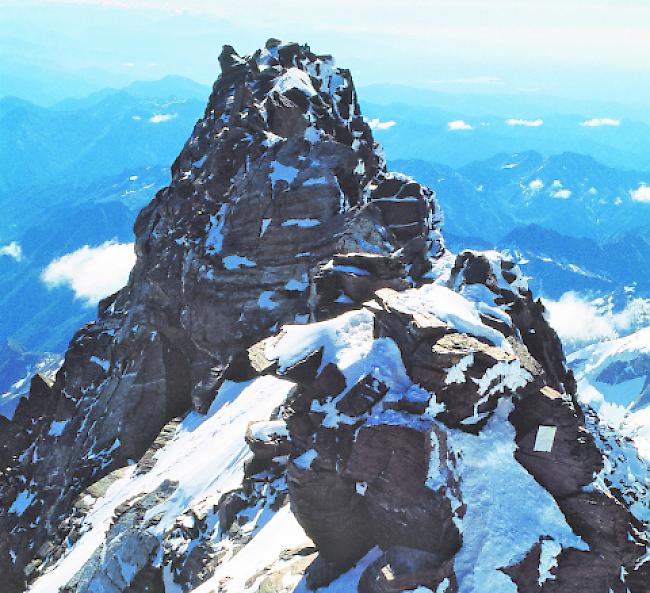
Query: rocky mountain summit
[301, 388]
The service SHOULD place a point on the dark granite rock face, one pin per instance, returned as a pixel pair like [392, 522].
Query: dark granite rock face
[279, 175]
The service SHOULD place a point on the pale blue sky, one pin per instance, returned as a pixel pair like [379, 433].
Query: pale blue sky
[573, 48]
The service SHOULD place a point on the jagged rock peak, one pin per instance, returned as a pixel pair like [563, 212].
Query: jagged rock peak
[286, 91]
[298, 367]
[280, 210]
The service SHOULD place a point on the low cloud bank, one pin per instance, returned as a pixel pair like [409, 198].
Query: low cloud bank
[528, 123]
[377, 124]
[579, 321]
[12, 249]
[458, 124]
[641, 194]
[598, 122]
[92, 272]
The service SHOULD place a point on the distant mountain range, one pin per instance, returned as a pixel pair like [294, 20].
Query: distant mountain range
[78, 172]
[105, 134]
[594, 236]
[455, 132]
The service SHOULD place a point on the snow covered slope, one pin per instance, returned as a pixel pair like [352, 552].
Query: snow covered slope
[614, 378]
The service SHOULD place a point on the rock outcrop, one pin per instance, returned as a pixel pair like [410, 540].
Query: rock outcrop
[299, 379]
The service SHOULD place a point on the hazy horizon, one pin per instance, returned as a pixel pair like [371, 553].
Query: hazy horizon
[588, 51]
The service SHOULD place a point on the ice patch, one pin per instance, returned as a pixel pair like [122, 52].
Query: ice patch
[56, 428]
[201, 470]
[265, 225]
[548, 560]
[200, 162]
[162, 117]
[456, 374]
[348, 581]
[234, 262]
[214, 240]
[345, 339]
[455, 310]
[22, 501]
[297, 285]
[436, 474]
[305, 460]
[312, 135]
[301, 222]
[280, 172]
[104, 364]
[282, 532]
[265, 300]
[265, 431]
[294, 78]
[315, 181]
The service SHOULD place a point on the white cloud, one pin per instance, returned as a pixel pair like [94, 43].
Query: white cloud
[536, 184]
[529, 123]
[641, 194]
[377, 124]
[92, 272]
[579, 322]
[12, 249]
[156, 119]
[596, 122]
[458, 124]
[563, 194]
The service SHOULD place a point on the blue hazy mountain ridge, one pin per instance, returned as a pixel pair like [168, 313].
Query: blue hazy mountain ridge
[40, 145]
[37, 318]
[169, 87]
[499, 103]
[424, 130]
[78, 172]
[589, 242]
[72, 175]
[570, 193]
[41, 318]
[558, 263]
